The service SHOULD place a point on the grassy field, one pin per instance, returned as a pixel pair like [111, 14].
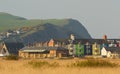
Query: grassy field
[46, 67]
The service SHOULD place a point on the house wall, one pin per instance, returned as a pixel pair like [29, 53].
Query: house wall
[4, 48]
[62, 53]
[33, 55]
[51, 43]
[52, 53]
[109, 54]
[79, 50]
[95, 49]
[88, 49]
[71, 49]
[103, 52]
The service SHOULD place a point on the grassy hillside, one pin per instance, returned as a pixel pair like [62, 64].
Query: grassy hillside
[8, 21]
[42, 29]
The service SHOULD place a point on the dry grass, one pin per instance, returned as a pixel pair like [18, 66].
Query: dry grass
[22, 67]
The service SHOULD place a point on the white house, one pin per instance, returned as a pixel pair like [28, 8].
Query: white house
[110, 52]
[104, 52]
[10, 48]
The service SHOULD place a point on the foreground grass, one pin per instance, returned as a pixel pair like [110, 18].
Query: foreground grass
[11, 57]
[93, 63]
[75, 64]
[19, 67]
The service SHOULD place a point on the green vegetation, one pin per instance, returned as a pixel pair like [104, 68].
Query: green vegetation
[40, 30]
[39, 64]
[93, 63]
[8, 21]
[11, 57]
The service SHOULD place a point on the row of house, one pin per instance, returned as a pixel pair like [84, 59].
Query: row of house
[13, 32]
[64, 48]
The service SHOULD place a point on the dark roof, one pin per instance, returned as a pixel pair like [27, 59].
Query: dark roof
[14, 47]
[83, 41]
[66, 41]
[113, 49]
[38, 49]
[91, 41]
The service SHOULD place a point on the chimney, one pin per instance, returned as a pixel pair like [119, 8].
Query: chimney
[105, 37]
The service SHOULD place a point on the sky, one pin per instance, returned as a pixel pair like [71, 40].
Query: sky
[99, 17]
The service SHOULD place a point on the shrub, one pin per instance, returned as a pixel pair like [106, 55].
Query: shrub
[93, 63]
[12, 57]
[54, 64]
[39, 64]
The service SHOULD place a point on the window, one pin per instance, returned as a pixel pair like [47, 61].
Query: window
[80, 50]
[71, 50]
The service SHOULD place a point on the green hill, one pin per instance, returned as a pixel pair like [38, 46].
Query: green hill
[8, 21]
[42, 29]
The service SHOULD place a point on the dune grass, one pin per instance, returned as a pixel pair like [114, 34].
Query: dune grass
[11, 57]
[93, 63]
[89, 63]
[19, 67]
[41, 64]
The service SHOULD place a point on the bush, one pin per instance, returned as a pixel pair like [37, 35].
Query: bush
[54, 64]
[39, 64]
[11, 57]
[93, 63]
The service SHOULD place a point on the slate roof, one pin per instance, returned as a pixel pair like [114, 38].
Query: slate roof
[39, 49]
[66, 41]
[82, 41]
[91, 41]
[13, 47]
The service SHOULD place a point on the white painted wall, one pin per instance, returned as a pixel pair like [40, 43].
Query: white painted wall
[103, 52]
[108, 54]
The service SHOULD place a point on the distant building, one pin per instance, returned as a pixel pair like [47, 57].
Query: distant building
[96, 49]
[79, 50]
[88, 49]
[110, 52]
[10, 48]
[51, 43]
[43, 52]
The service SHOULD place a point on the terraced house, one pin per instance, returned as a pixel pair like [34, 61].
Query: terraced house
[72, 47]
[51, 50]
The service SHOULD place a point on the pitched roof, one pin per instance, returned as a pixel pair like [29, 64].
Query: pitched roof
[91, 41]
[13, 47]
[66, 41]
[41, 49]
[82, 41]
[0, 48]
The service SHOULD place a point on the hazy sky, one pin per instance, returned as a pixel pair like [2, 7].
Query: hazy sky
[98, 16]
